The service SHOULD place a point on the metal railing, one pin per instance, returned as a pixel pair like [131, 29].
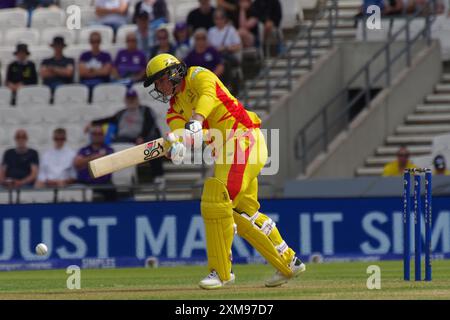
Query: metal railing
[321, 121]
[305, 33]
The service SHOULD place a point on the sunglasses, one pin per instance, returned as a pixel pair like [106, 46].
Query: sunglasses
[131, 40]
[95, 41]
[59, 139]
[21, 137]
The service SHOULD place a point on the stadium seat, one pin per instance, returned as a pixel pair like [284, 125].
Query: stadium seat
[75, 134]
[48, 34]
[37, 135]
[29, 36]
[5, 98]
[292, 13]
[308, 4]
[122, 32]
[4, 196]
[75, 51]
[75, 193]
[71, 94]
[93, 112]
[13, 18]
[105, 31]
[126, 176]
[81, 3]
[12, 116]
[47, 17]
[35, 196]
[32, 96]
[88, 16]
[440, 143]
[181, 10]
[109, 94]
[39, 53]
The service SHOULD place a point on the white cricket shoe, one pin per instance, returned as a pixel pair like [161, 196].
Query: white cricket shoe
[297, 267]
[212, 281]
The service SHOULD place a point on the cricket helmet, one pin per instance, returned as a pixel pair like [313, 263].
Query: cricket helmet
[161, 65]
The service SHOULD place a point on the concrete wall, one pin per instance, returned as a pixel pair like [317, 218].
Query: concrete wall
[386, 112]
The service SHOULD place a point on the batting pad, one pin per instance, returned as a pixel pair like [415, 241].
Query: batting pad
[261, 242]
[217, 213]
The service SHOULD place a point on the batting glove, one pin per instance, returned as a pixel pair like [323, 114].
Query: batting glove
[194, 133]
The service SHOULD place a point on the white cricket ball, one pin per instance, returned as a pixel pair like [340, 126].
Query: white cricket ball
[41, 249]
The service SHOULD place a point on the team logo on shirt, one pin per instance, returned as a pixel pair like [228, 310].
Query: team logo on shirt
[152, 150]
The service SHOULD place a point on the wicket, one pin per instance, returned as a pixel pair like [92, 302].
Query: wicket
[417, 206]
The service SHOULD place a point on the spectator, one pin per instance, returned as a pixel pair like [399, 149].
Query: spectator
[19, 165]
[231, 8]
[163, 43]
[156, 10]
[182, 41]
[440, 167]
[202, 17]
[6, 4]
[30, 5]
[396, 167]
[20, 72]
[95, 65]
[131, 62]
[248, 24]
[135, 124]
[225, 38]
[96, 149]
[112, 13]
[269, 13]
[204, 55]
[56, 169]
[144, 33]
[57, 69]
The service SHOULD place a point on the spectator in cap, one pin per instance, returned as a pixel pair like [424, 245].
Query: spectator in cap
[144, 34]
[202, 17]
[440, 167]
[204, 55]
[136, 124]
[163, 43]
[20, 72]
[58, 69]
[182, 41]
[95, 65]
[156, 10]
[20, 165]
[398, 166]
[130, 63]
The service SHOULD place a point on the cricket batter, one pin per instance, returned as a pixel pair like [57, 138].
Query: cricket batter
[198, 101]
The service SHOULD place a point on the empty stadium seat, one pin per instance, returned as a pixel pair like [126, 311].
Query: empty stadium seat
[39, 53]
[81, 3]
[109, 94]
[75, 51]
[75, 134]
[47, 17]
[292, 13]
[35, 196]
[37, 135]
[122, 32]
[106, 32]
[76, 193]
[29, 36]
[181, 10]
[12, 116]
[87, 16]
[5, 98]
[126, 176]
[32, 96]
[93, 112]
[48, 34]
[13, 18]
[71, 94]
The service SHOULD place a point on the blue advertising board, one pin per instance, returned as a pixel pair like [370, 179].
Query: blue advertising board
[102, 235]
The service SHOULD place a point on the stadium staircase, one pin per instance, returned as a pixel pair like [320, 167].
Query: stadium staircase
[429, 120]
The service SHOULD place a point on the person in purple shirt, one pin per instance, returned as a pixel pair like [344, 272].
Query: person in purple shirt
[130, 63]
[95, 65]
[96, 149]
[204, 55]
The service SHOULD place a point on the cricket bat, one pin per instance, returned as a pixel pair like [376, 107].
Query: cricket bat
[126, 158]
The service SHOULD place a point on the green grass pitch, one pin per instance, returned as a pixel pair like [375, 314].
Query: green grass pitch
[320, 281]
